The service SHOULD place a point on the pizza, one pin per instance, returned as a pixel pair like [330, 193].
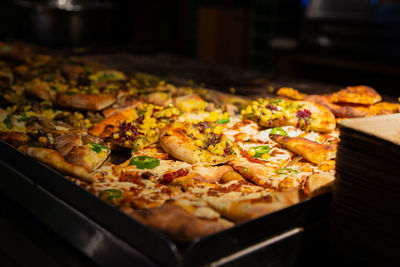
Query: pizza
[349, 102]
[185, 161]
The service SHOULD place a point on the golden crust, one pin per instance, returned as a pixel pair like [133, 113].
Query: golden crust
[383, 108]
[241, 210]
[318, 183]
[290, 93]
[55, 160]
[186, 228]
[312, 151]
[86, 101]
[359, 94]
[340, 111]
[351, 102]
[15, 139]
[252, 171]
[41, 90]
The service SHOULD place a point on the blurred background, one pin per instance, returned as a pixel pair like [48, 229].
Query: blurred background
[342, 42]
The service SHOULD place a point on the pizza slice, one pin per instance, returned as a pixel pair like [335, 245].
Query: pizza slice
[351, 102]
[86, 151]
[239, 200]
[275, 112]
[126, 188]
[41, 89]
[54, 160]
[38, 124]
[383, 108]
[340, 110]
[155, 164]
[310, 150]
[359, 94]
[71, 95]
[258, 155]
[257, 162]
[202, 143]
[183, 217]
[302, 174]
[290, 93]
[93, 102]
[135, 127]
[318, 183]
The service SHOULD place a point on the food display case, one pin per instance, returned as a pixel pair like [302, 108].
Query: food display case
[68, 225]
[119, 146]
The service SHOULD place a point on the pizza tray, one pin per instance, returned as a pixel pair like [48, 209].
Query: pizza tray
[365, 214]
[104, 233]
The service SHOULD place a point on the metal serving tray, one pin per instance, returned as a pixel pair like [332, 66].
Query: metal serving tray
[111, 238]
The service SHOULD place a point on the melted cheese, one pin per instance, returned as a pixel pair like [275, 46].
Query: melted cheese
[166, 166]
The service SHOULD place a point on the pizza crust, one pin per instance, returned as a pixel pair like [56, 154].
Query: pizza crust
[290, 93]
[54, 159]
[340, 111]
[312, 151]
[86, 101]
[359, 94]
[15, 139]
[318, 183]
[240, 210]
[177, 222]
[41, 90]
[253, 172]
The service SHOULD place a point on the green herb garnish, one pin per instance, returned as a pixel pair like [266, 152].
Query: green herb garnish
[98, 148]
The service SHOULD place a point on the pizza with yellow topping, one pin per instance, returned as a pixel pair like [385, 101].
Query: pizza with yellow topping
[185, 161]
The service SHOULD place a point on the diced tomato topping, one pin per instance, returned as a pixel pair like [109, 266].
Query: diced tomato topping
[169, 177]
